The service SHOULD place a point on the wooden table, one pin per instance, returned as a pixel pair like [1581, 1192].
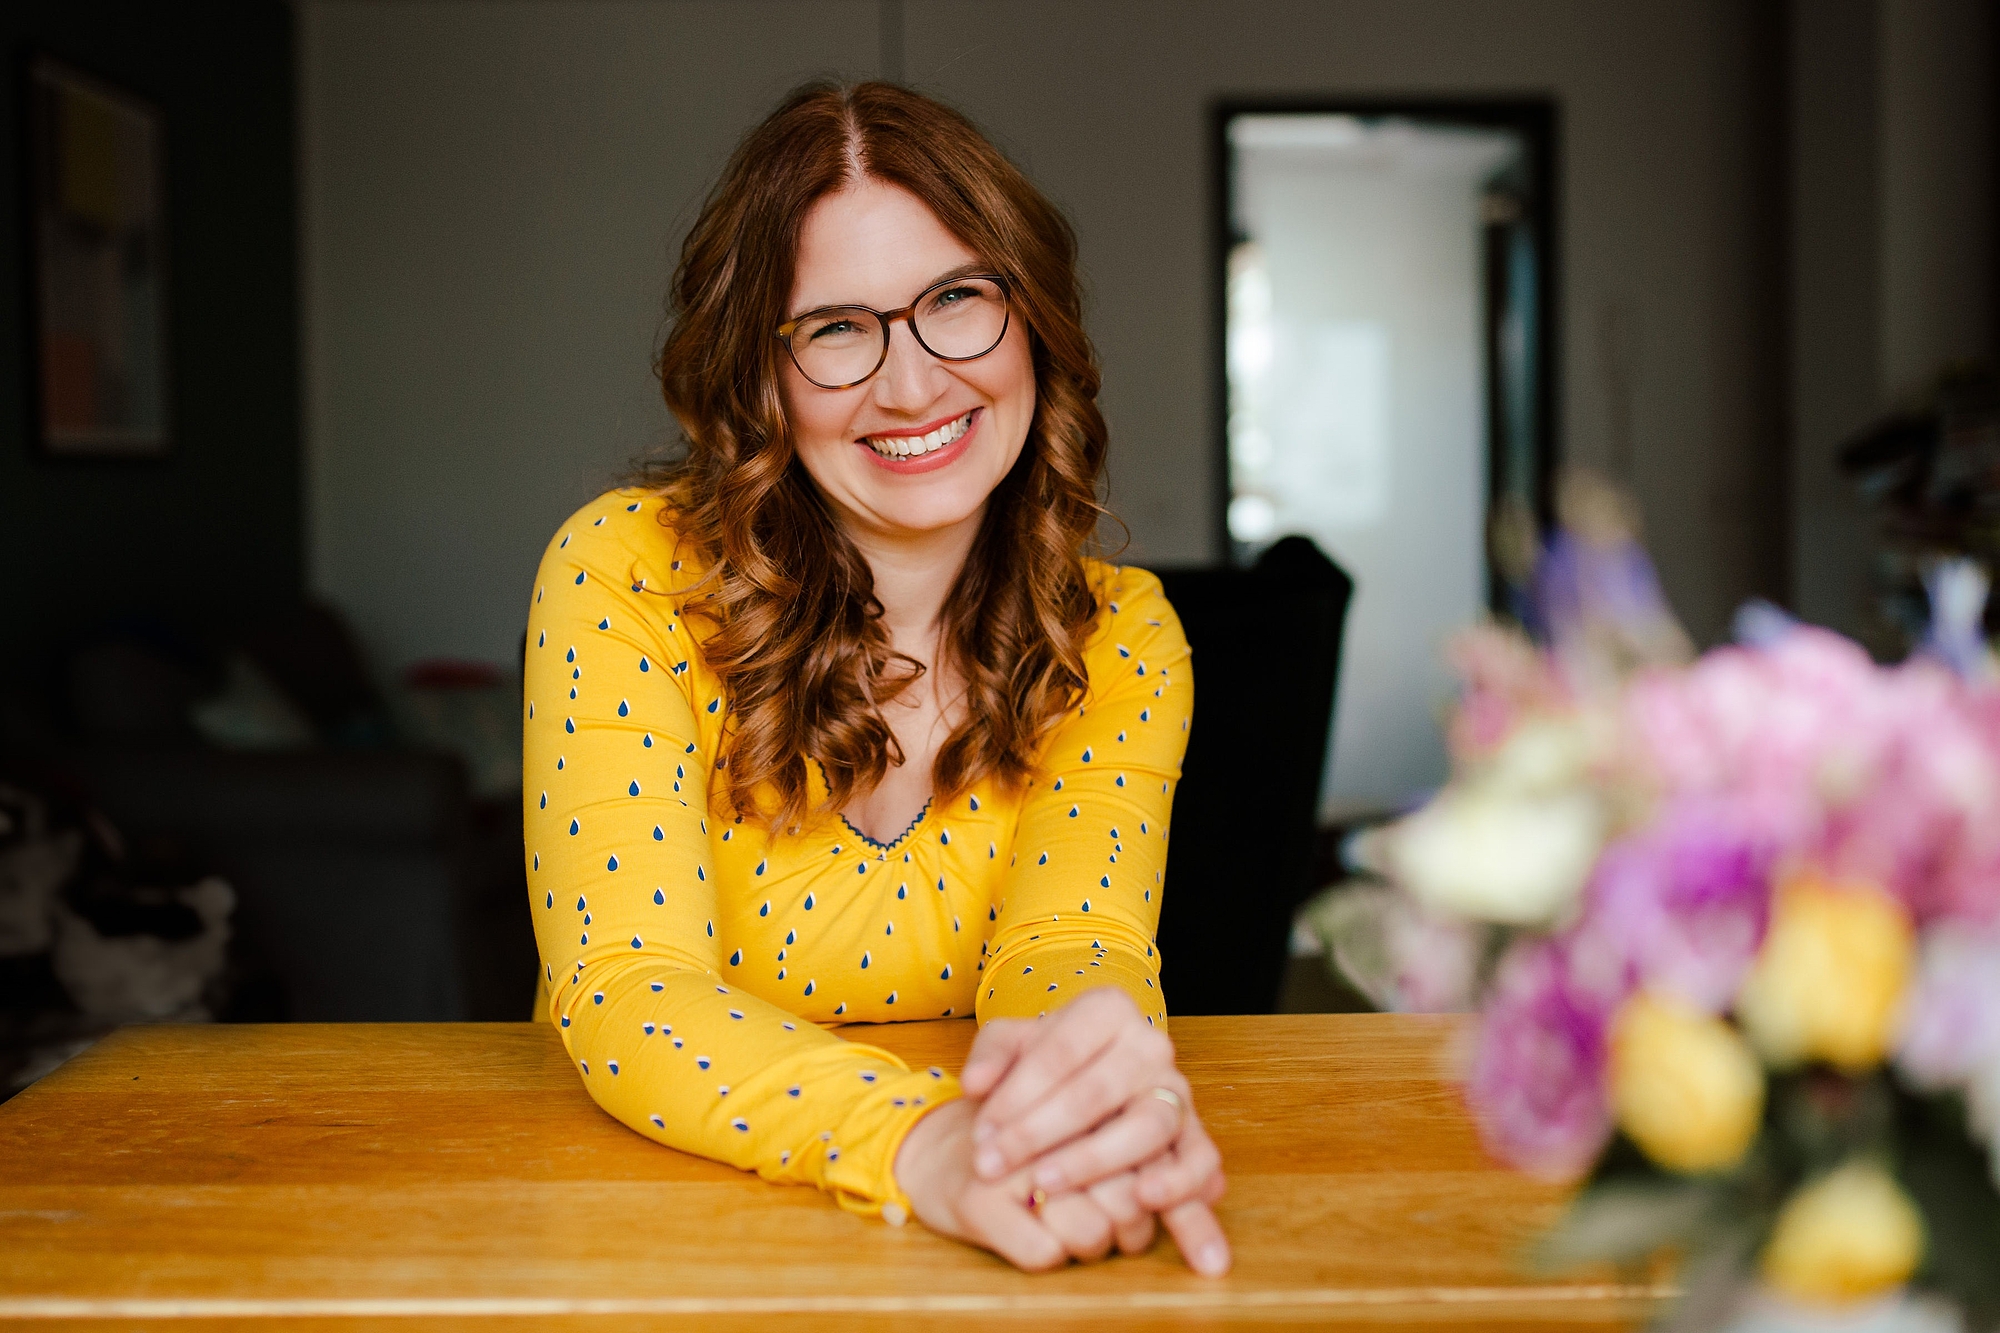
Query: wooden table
[442, 1176]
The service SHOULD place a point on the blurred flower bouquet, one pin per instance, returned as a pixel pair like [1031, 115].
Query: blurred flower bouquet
[1733, 928]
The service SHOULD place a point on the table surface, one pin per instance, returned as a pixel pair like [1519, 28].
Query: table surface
[448, 1175]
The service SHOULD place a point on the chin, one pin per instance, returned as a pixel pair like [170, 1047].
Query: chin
[932, 513]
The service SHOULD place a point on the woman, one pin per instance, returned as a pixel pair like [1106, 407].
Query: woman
[832, 722]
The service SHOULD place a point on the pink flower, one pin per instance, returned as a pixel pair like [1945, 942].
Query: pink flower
[1537, 1087]
[1923, 816]
[1951, 1027]
[1780, 721]
[1505, 678]
[1682, 906]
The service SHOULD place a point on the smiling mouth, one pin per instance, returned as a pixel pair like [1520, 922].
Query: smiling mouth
[916, 446]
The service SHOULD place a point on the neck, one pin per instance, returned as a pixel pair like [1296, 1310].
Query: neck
[914, 573]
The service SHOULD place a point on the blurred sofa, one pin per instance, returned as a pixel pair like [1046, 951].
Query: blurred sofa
[372, 882]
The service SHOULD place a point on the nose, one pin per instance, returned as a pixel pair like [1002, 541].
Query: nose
[908, 380]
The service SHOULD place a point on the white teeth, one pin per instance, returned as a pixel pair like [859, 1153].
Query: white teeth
[915, 446]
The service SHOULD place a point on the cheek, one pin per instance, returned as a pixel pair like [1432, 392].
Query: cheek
[818, 419]
[1010, 378]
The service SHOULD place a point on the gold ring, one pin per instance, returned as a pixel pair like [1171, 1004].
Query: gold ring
[1036, 1198]
[1173, 1099]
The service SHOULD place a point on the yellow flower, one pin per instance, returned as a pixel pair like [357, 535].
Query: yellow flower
[1684, 1086]
[1829, 982]
[1847, 1236]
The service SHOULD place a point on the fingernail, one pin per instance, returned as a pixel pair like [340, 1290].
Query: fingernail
[1049, 1177]
[988, 1162]
[981, 1131]
[1213, 1259]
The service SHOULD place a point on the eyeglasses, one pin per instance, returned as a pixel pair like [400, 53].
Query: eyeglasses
[840, 346]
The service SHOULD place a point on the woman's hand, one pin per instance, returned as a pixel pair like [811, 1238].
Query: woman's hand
[934, 1167]
[1074, 1099]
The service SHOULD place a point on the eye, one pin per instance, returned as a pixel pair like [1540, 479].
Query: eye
[835, 328]
[957, 295]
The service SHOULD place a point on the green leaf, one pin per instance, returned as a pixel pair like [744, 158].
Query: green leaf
[1948, 1174]
[1622, 1222]
[1714, 1280]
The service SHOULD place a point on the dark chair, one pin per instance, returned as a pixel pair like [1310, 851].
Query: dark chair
[1266, 646]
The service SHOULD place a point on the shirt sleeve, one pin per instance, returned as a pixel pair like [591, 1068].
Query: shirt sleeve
[621, 887]
[1080, 905]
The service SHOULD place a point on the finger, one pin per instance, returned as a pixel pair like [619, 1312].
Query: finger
[1138, 1134]
[1132, 1225]
[999, 1043]
[1179, 1174]
[1082, 1227]
[1092, 1095]
[1115, 1199]
[1065, 1043]
[1199, 1237]
[1138, 1237]
[1003, 1225]
[1088, 1094]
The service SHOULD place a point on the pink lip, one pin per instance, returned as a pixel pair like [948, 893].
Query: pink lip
[929, 462]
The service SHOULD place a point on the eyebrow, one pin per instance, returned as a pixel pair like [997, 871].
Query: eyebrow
[962, 271]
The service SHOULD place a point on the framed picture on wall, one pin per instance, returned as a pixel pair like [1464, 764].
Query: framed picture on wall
[97, 244]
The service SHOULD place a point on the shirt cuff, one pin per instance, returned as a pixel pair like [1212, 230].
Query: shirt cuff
[863, 1178]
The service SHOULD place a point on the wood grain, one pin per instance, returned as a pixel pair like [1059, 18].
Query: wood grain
[445, 1176]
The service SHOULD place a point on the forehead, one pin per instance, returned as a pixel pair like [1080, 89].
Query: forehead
[872, 244]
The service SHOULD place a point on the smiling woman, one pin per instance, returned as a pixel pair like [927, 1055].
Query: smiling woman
[832, 720]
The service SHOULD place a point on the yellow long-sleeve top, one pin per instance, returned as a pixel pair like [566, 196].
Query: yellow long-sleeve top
[690, 956]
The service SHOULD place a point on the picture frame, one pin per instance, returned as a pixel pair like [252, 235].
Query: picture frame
[96, 205]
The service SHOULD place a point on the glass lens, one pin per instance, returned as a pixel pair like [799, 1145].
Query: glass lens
[838, 346]
[962, 319]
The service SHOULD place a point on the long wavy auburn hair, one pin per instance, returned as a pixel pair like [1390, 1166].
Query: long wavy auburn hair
[793, 628]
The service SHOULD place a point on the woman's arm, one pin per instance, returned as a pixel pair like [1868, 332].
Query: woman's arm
[616, 794]
[1081, 902]
[1077, 1098]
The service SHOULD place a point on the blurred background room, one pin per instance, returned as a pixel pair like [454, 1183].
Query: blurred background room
[317, 318]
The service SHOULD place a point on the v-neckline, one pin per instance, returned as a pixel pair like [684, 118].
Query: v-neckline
[825, 789]
[899, 839]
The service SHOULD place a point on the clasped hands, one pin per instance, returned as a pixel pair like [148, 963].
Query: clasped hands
[1063, 1146]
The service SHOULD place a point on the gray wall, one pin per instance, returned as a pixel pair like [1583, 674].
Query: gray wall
[1892, 250]
[494, 193]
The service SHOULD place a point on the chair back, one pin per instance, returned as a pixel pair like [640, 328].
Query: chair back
[1266, 643]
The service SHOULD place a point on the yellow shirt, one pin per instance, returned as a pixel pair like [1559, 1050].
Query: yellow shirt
[689, 957]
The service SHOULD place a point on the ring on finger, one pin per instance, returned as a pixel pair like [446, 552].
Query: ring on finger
[1036, 1198]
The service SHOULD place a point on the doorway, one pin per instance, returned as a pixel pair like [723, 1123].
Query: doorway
[1384, 285]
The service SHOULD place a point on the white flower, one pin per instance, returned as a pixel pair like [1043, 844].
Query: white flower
[1545, 754]
[1403, 957]
[1498, 855]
